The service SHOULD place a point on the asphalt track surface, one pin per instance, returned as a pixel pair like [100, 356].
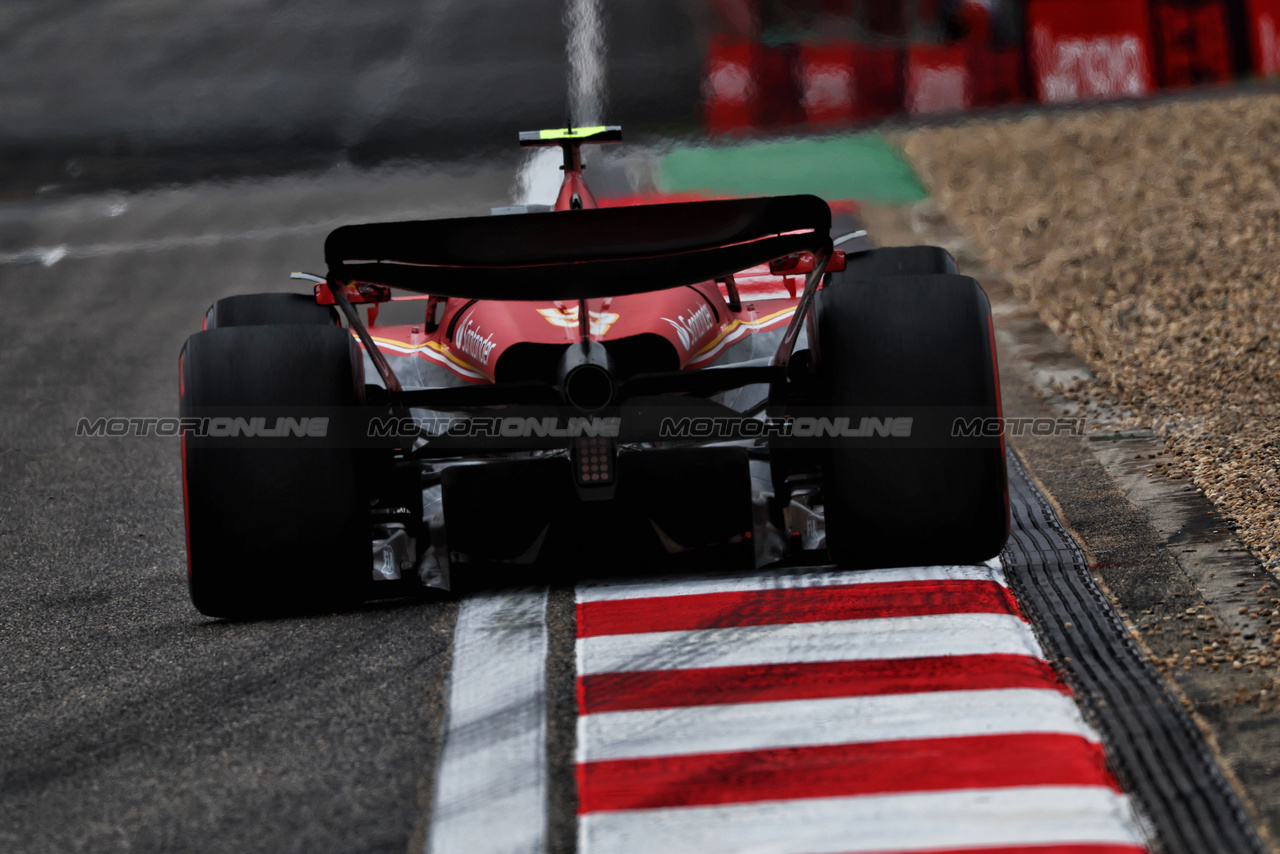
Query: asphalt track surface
[125, 92]
[127, 720]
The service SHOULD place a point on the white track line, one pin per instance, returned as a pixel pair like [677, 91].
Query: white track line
[491, 786]
[602, 591]
[840, 720]
[843, 640]
[50, 255]
[1039, 815]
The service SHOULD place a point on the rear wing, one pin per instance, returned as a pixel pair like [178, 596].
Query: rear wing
[581, 254]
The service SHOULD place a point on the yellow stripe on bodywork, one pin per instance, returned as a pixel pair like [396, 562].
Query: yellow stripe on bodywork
[760, 321]
[403, 345]
[448, 354]
[431, 345]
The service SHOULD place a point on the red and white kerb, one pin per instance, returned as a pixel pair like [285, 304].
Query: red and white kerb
[884, 711]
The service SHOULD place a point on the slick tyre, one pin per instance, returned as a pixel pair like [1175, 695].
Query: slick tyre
[275, 524]
[268, 310]
[896, 261]
[918, 347]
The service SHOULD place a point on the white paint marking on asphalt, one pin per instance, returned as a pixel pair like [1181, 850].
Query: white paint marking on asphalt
[840, 720]
[491, 788]
[1038, 815]
[50, 255]
[601, 591]
[838, 640]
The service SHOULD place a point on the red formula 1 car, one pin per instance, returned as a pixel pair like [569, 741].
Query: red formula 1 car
[612, 389]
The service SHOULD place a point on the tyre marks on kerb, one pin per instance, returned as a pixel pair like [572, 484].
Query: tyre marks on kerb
[613, 692]
[892, 710]
[793, 580]
[851, 640]
[491, 787]
[987, 820]
[749, 725]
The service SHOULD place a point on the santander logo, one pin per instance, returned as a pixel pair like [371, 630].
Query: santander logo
[470, 342]
[692, 328]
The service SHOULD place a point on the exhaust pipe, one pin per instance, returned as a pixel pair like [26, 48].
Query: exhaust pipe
[585, 376]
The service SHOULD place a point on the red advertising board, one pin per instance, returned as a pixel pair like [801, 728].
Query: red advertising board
[1264, 32]
[828, 92]
[997, 76]
[776, 102]
[1090, 49]
[840, 82]
[877, 77]
[729, 89]
[937, 79]
[1192, 44]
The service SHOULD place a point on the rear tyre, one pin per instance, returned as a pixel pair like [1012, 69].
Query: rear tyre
[896, 261]
[918, 347]
[279, 524]
[269, 310]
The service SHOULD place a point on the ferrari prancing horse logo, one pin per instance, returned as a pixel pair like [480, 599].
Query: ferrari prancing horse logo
[568, 318]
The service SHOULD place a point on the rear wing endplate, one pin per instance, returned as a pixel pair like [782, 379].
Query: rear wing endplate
[582, 254]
